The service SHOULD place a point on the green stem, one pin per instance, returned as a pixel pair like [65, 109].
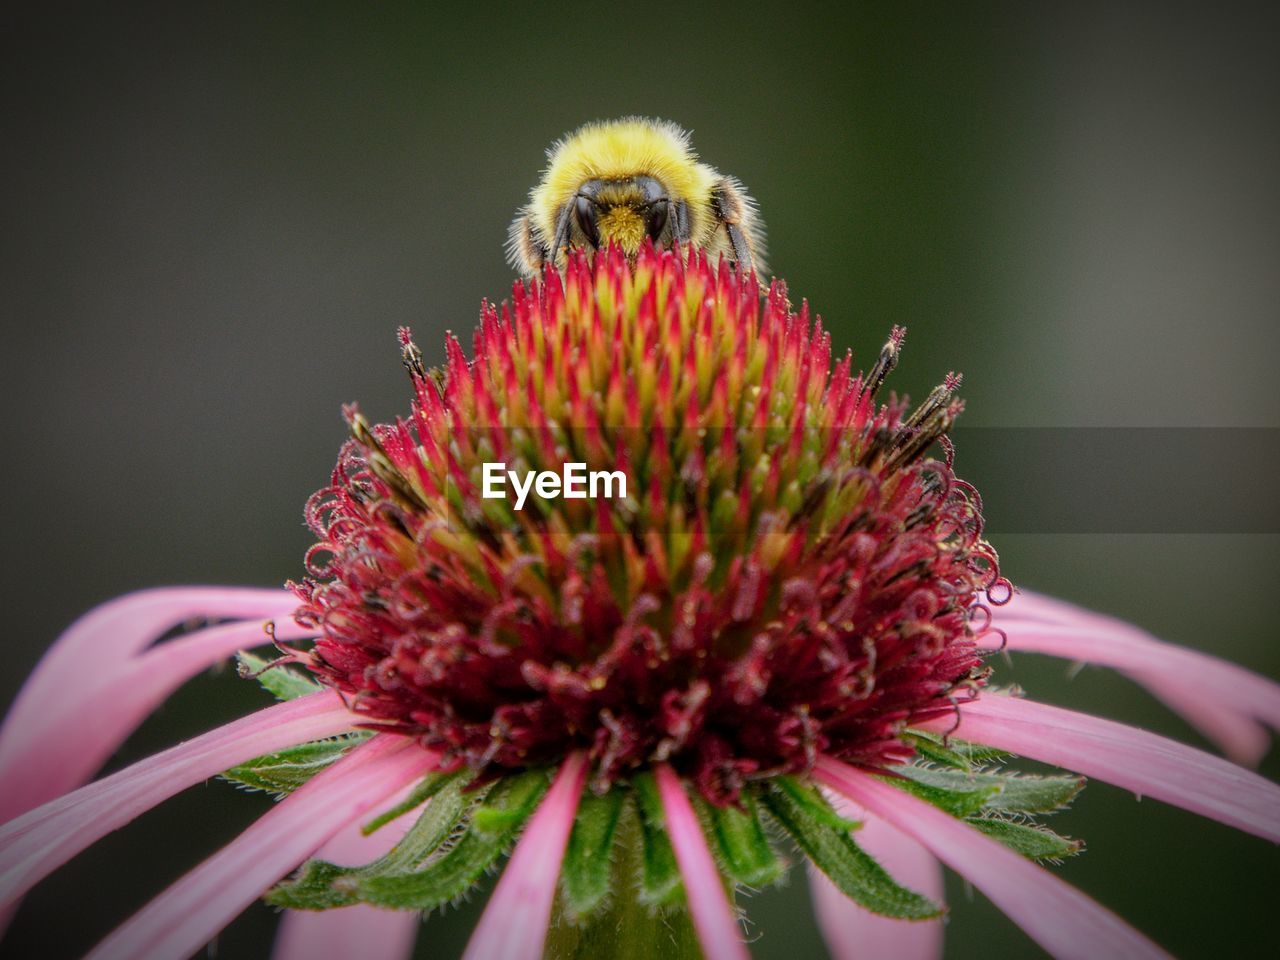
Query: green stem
[624, 928]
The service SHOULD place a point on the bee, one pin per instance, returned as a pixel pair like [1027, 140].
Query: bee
[622, 181]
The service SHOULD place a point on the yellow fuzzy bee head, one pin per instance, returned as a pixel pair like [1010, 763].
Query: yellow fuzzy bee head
[623, 181]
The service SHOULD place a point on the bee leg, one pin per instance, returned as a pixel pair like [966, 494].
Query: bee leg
[562, 231]
[730, 211]
[680, 222]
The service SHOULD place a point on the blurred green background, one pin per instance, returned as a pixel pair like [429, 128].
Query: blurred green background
[215, 219]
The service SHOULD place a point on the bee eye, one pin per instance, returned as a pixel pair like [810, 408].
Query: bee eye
[585, 211]
[656, 219]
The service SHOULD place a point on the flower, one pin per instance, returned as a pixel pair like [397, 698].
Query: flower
[778, 632]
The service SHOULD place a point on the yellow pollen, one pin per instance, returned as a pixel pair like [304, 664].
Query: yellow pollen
[624, 226]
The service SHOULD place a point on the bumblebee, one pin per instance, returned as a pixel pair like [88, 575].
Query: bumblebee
[624, 180]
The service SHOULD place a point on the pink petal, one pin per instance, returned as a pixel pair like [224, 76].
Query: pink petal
[117, 701]
[1143, 762]
[713, 916]
[854, 933]
[38, 842]
[370, 933]
[1203, 688]
[189, 913]
[514, 924]
[1243, 740]
[111, 634]
[1060, 918]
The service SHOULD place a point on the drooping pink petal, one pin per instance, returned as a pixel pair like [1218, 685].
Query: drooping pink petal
[364, 931]
[111, 634]
[854, 933]
[1202, 687]
[189, 913]
[713, 916]
[41, 840]
[514, 924]
[93, 714]
[1241, 738]
[370, 933]
[1065, 922]
[1143, 762]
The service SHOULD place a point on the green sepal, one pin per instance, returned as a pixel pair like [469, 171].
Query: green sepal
[1033, 842]
[742, 849]
[660, 883]
[286, 770]
[427, 788]
[934, 751]
[850, 868]
[447, 877]
[440, 882]
[1022, 793]
[1012, 792]
[951, 752]
[623, 926]
[283, 772]
[813, 803]
[281, 682]
[321, 885]
[510, 802]
[588, 861]
[976, 753]
[963, 798]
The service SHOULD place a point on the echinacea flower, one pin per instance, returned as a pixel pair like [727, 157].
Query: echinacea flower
[773, 643]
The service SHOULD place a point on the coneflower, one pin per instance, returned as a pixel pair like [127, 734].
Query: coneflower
[769, 651]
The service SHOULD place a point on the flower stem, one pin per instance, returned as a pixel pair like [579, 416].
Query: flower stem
[624, 928]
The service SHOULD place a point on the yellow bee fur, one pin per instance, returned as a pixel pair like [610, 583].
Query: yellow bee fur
[624, 180]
